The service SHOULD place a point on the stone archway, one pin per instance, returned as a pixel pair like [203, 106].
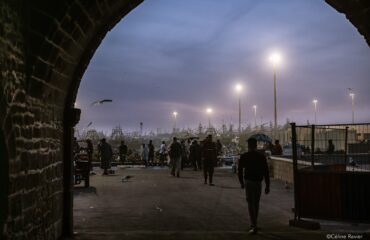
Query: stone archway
[46, 47]
[4, 182]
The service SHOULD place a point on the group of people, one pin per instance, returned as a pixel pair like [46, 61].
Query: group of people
[202, 155]
[252, 168]
[252, 165]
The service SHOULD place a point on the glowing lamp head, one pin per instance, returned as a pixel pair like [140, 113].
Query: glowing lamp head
[174, 114]
[352, 95]
[315, 101]
[238, 88]
[209, 110]
[254, 107]
[275, 58]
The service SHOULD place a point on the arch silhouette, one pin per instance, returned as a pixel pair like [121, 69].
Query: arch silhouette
[4, 181]
[52, 44]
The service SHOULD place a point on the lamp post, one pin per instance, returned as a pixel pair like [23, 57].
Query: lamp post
[238, 89]
[352, 95]
[209, 112]
[315, 108]
[175, 117]
[255, 115]
[275, 58]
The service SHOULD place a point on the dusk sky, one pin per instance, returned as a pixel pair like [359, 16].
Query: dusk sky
[185, 56]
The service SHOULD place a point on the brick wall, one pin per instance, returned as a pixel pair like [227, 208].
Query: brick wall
[45, 48]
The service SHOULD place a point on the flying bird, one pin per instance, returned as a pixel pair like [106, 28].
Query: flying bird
[99, 102]
[88, 125]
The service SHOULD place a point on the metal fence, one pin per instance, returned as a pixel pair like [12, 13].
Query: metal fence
[331, 166]
[343, 145]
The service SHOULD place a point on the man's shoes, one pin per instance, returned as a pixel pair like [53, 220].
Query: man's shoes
[178, 175]
[253, 231]
[211, 184]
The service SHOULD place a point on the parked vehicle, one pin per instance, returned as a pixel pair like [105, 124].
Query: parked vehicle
[288, 150]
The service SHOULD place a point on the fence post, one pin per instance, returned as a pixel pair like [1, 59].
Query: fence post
[313, 146]
[295, 172]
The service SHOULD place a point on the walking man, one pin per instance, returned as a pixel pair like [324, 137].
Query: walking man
[252, 169]
[145, 154]
[90, 151]
[123, 149]
[196, 155]
[175, 155]
[209, 154]
[106, 155]
[162, 153]
[151, 153]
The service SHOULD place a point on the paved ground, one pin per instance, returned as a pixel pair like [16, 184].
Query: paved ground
[155, 205]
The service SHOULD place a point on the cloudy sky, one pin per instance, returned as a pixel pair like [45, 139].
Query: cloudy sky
[185, 56]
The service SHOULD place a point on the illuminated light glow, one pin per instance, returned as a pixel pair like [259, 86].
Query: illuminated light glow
[209, 110]
[315, 101]
[254, 107]
[275, 58]
[238, 88]
[175, 114]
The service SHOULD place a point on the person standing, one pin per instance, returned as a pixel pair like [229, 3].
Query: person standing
[123, 149]
[196, 155]
[277, 149]
[162, 153]
[219, 150]
[90, 150]
[184, 156]
[175, 155]
[106, 155]
[252, 170]
[145, 154]
[151, 153]
[331, 147]
[209, 154]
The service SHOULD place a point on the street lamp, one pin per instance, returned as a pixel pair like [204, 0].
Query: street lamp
[175, 116]
[315, 107]
[209, 112]
[255, 115]
[352, 95]
[275, 59]
[238, 89]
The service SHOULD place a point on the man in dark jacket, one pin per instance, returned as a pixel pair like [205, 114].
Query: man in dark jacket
[251, 170]
[175, 155]
[331, 147]
[151, 153]
[106, 155]
[123, 149]
[277, 149]
[209, 154]
[196, 155]
[90, 151]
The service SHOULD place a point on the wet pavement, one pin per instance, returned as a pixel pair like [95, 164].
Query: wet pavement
[154, 205]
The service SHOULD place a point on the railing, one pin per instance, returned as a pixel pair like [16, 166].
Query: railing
[336, 184]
